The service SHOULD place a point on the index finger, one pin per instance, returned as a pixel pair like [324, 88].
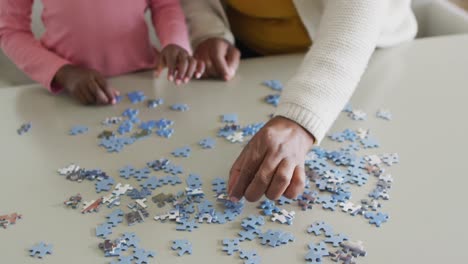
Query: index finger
[247, 172]
[220, 65]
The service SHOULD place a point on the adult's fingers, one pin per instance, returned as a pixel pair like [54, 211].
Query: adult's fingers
[200, 70]
[263, 178]
[233, 58]
[220, 65]
[297, 183]
[192, 66]
[234, 173]
[252, 161]
[281, 180]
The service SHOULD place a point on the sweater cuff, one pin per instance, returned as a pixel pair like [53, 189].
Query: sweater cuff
[304, 117]
[226, 35]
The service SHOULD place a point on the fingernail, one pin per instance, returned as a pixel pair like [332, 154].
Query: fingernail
[198, 75]
[234, 199]
[186, 80]
[171, 78]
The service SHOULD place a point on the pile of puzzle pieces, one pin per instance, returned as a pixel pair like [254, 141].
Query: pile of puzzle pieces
[330, 176]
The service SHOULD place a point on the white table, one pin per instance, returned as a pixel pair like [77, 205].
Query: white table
[423, 83]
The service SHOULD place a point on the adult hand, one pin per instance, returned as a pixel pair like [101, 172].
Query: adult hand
[272, 163]
[221, 58]
[86, 85]
[180, 65]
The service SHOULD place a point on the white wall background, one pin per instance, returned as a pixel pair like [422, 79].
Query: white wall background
[435, 17]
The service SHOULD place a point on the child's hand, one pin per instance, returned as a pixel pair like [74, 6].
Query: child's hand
[181, 66]
[88, 86]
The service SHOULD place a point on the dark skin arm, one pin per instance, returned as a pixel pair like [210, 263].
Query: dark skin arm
[86, 85]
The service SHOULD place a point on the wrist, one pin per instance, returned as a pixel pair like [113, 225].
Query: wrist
[61, 75]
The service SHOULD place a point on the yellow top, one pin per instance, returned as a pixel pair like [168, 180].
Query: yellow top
[268, 26]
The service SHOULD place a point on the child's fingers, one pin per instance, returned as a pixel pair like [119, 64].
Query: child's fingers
[102, 83]
[160, 65]
[88, 94]
[79, 96]
[171, 66]
[192, 67]
[116, 92]
[100, 96]
[182, 66]
[200, 70]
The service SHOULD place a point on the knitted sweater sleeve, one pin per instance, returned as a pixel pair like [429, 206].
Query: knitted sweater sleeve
[346, 38]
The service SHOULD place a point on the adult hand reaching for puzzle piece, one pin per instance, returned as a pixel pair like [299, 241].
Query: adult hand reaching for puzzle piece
[272, 163]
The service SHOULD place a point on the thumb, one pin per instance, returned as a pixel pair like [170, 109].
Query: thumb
[232, 58]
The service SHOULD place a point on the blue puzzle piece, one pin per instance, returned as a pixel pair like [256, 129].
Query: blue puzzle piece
[318, 227]
[151, 183]
[252, 129]
[250, 257]
[229, 118]
[173, 169]
[317, 252]
[283, 200]
[125, 127]
[348, 108]
[104, 184]
[131, 239]
[165, 132]
[164, 123]
[24, 128]
[207, 143]
[186, 225]
[142, 256]
[136, 194]
[141, 173]
[274, 85]
[273, 99]
[103, 230]
[136, 97]
[230, 246]
[336, 240]
[76, 130]
[40, 250]
[123, 260]
[271, 238]
[148, 125]
[369, 142]
[183, 245]
[219, 185]
[252, 222]
[158, 165]
[250, 234]
[205, 206]
[376, 219]
[115, 218]
[182, 152]
[180, 107]
[130, 113]
[155, 103]
[127, 171]
[194, 181]
[171, 179]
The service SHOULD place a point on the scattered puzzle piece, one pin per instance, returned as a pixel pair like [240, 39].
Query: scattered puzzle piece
[76, 130]
[40, 250]
[183, 245]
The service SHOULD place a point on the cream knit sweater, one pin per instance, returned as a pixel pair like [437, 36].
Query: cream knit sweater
[344, 32]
